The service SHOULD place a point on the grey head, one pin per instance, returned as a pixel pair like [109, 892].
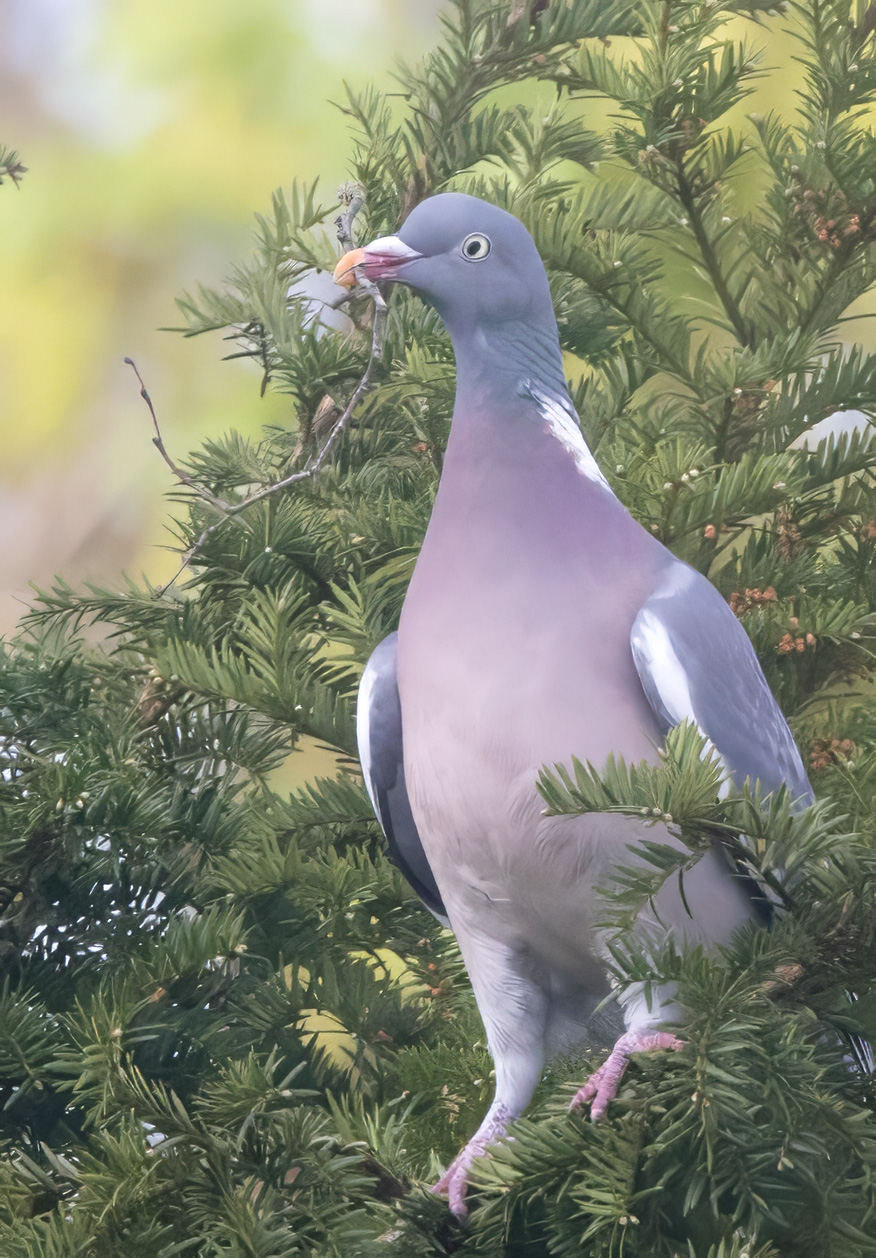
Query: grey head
[478, 266]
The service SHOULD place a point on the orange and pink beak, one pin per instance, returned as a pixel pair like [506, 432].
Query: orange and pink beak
[377, 261]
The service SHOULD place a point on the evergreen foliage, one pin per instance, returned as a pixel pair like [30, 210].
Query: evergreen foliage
[227, 1027]
[10, 166]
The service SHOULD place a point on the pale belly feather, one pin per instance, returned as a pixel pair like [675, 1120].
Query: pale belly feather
[476, 736]
[475, 740]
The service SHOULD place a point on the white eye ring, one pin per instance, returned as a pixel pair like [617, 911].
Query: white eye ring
[476, 247]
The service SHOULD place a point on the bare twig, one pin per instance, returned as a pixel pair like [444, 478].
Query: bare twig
[352, 197]
[231, 509]
[324, 419]
[219, 503]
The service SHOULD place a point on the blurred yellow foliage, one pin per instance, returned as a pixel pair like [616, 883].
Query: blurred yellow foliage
[150, 133]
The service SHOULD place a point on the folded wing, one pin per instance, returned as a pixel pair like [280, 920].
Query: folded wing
[381, 752]
[695, 662]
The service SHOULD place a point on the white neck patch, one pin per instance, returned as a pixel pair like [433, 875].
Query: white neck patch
[561, 422]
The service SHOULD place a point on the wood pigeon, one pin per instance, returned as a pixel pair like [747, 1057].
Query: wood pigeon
[542, 621]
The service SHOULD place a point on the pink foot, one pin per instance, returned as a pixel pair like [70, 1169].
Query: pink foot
[602, 1086]
[454, 1181]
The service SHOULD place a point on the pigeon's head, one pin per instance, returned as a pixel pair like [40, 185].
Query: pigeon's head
[476, 264]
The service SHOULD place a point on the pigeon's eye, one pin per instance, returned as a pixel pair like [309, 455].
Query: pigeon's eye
[476, 247]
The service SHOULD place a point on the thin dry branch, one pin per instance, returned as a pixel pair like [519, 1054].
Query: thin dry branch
[229, 510]
[219, 503]
[352, 197]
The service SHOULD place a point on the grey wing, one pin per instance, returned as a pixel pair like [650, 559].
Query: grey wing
[379, 735]
[695, 662]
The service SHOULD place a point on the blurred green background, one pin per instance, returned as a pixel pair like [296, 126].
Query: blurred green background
[151, 133]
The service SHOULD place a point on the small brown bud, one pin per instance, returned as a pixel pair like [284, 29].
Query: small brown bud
[825, 752]
[785, 976]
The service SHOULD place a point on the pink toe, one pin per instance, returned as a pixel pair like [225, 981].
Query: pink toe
[453, 1183]
[442, 1186]
[456, 1199]
[602, 1086]
[599, 1108]
[586, 1093]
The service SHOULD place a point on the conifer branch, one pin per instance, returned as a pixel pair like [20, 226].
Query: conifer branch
[352, 196]
[171, 921]
[230, 510]
[839, 261]
[10, 166]
[710, 260]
